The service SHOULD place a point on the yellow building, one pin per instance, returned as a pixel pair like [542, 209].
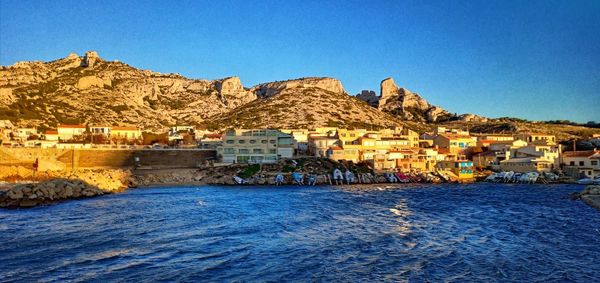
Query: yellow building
[463, 169]
[537, 138]
[350, 136]
[128, 133]
[456, 144]
[339, 153]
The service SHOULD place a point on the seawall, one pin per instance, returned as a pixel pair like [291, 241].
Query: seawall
[19, 161]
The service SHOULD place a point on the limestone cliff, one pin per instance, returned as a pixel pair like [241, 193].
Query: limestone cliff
[91, 90]
[269, 89]
[409, 106]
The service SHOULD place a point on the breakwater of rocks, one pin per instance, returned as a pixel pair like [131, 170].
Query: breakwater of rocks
[33, 194]
[55, 186]
[591, 196]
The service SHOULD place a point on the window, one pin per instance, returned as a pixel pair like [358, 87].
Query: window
[263, 141]
[229, 151]
[272, 141]
[229, 141]
[572, 163]
[241, 141]
[243, 159]
[272, 151]
[594, 162]
[244, 151]
[252, 141]
[580, 163]
[257, 150]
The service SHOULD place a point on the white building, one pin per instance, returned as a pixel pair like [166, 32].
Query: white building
[255, 146]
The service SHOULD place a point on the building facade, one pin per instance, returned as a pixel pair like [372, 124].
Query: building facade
[255, 146]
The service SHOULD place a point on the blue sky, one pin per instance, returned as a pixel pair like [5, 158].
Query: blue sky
[538, 60]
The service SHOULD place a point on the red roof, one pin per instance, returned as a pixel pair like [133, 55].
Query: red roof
[51, 132]
[71, 126]
[213, 136]
[336, 148]
[579, 153]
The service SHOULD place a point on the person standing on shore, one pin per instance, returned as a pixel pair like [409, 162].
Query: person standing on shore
[35, 166]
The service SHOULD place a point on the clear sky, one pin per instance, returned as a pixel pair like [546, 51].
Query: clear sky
[537, 60]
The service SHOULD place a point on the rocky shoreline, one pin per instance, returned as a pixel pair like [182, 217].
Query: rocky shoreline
[56, 186]
[33, 194]
[591, 196]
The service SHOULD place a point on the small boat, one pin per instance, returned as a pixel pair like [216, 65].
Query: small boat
[589, 181]
[239, 180]
[349, 176]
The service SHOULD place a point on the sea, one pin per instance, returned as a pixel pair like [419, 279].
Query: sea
[403, 233]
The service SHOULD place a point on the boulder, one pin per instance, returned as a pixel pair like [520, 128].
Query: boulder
[28, 203]
[90, 81]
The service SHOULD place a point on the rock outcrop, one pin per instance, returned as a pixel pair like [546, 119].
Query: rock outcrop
[269, 89]
[406, 104]
[90, 59]
[29, 195]
[91, 81]
[233, 92]
[591, 196]
[369, 97]
[410, 106]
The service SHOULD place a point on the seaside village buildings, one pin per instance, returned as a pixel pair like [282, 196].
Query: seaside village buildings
[455, 152]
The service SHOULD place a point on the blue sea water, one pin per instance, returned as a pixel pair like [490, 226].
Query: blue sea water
[418, 233]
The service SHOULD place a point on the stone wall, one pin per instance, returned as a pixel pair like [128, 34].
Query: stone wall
[68, 159]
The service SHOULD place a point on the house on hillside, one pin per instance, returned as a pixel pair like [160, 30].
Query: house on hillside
[22, 134]
[68, 132]
[537, 138]
[51, 135]
[584, 163]
[125, 133]
[456, 143]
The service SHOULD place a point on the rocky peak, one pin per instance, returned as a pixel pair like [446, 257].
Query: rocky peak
[90, 58]
[388, 91]
[72, 56]
[369, 97]
[229, 86]
[273, 88]
[232, 93]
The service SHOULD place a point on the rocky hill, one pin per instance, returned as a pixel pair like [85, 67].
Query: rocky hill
[304, 103]
[410, 106]
[90, 90]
